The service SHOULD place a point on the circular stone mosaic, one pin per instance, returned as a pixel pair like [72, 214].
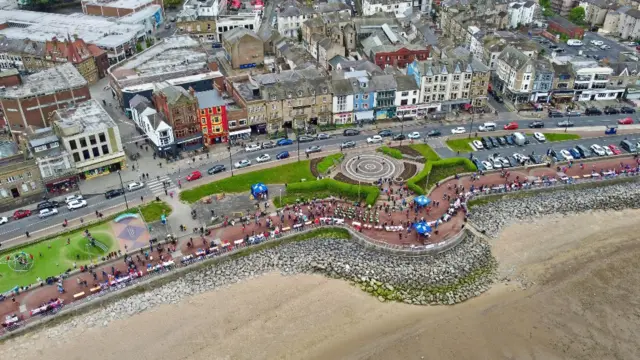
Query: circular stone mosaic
[369, 167]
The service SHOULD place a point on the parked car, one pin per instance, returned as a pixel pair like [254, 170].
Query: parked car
[494, 141]
[113, 193]
[195, 175]
[499, 99]
[574, 113]
[385, 133]
[598, 150]
[565, 123]
[487, 165]
[282, 155]
[351, 132]
[434, 133]
[496, 163]
[627, 110]
[575, 153]
[313, 149]
[458, 130]
[374, 139]
[536, 124]
[398, 137]
[536, 159]
[486, 143]
[505, 162]
[615, 150]
[478, 144]
[216, 169]
[133, 186]
[566, 154]
[555, 114]
[19, 214]
[511, 126]
[510, 140]
[44, 213]
[593, 111]
[263, 158]
[76, 204]
[607, 151]
[71, 198]
[609, 110]
[305, 138]
[323, 136]
[4, 220]
[348, 144]
[539, 136]
[584, 152]
[284, 142]
[628, 146]
[625, 121]
[242, 163]
[269, 144]
[252, 147]
[49, 204]
[414, 135]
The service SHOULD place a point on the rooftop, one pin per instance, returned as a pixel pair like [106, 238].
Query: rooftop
[174, 57]
[88, 117]
[234, 35]
[122, 4]
[209, 99]
[40, 26]
[564, 22]
[8, 148]
[140, 15]
[46, 81]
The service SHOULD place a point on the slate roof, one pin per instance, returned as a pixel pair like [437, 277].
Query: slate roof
[514, 58]
[209, 99]
[406, 83]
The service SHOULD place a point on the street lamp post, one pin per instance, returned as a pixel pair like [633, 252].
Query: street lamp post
[566, 124]
[230, 160]
[471, 126]
[401, 130]
[123, 192]
[298, 140]
[280, 197]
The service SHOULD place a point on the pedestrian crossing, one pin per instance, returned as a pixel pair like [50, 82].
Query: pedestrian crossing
[157, 188]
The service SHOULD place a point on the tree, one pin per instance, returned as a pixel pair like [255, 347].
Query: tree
[576, 15]
[299, 35]
[171, 4]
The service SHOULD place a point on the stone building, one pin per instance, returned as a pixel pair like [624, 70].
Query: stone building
[180, 107]
[20, 181]
[243, 48]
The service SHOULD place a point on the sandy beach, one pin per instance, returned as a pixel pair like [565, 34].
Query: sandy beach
[570, 290]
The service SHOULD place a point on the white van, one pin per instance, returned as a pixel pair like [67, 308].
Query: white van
[574, 42]
[488, 126]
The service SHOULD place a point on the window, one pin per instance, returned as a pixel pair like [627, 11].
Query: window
[76, 157]
[72, 145]
[86, 155]
[92, 139]
[242, 122]
[204, 121]
[102, 137]
[404, 93]
[232, 123]
[204, 130]
[96, 152]
[105, 149]
[218, 129]
[203, 112]
[456, 77]
[83, 142]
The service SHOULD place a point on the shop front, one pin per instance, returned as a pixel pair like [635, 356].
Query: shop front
[61, 185]
[364, 116]
[189, 143]
[343, 118]
[539, 97]
[562, 96]
[385, 113]
[100, 168]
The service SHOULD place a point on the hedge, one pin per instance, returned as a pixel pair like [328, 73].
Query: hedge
[436, 171]
[368, 193]
[394, 153]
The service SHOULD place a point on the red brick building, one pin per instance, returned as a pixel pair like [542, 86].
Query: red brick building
[560, 25]
[212, 112]
[179, 106]
[40, 94]
[116, 8]
[398, 55]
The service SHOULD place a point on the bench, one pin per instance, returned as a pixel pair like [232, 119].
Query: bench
[97, 288]
[78, 295]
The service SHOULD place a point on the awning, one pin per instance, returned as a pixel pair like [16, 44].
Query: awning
[563, 95]
[240, 132]
[364, 115]
[190, 139]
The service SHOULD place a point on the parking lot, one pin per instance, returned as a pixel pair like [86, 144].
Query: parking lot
[588, 50]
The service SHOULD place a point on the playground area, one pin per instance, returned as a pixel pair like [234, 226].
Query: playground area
[49, 258]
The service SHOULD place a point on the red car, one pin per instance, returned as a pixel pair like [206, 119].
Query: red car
[19, 214]
[194, 176]
[625, 121]
[511, 126]
[615, 150]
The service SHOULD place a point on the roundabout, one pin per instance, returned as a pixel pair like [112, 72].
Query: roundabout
[369, 168]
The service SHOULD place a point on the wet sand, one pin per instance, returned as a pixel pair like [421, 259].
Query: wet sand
[580, 302]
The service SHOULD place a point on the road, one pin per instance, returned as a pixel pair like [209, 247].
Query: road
[155, 187]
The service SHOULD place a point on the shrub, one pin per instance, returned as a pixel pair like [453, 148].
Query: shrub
[435, 171]
[394, 153]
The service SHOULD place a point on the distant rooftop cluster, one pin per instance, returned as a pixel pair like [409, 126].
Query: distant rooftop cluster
[89, 117]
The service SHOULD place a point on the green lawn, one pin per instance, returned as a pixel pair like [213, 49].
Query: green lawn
[426, 151]
[553, 137]
[289, 173]
[328, 161]
[461, 145]
[394, 153]
[152, 211]
[58, 258]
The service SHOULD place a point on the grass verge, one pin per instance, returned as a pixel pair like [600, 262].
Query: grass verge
[327, 187]
[394, 153]
[461, 145]
[152, 211]
[328, 162]
[435, 171]
[426, 151]
[555, 137]
[284, 174]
